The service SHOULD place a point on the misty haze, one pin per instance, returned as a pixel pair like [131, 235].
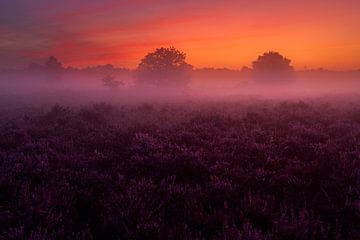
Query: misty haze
[179, 120]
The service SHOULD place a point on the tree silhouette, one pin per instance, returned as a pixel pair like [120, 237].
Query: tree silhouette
[35, 67]
[164, 67]
[272, 67]
[53, 64]
[110, 82]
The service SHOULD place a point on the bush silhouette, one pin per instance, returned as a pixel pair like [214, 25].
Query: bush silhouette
[164, 67]
[272, 67]
[110, 82]
[53, 64]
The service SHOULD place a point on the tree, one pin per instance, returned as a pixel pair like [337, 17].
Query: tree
[246, 72]
[110, 82]
[53, 64]
[164, 67]
[272, 67]
[35, 67]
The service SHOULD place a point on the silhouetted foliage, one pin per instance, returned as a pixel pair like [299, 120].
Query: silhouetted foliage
[164, 67]
[246, 72]
[272, 67]
[35, 67]
[289, 170]
[51, 67]
[53, 64]
[110, 82]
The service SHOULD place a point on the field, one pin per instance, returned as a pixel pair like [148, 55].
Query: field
[251, 169]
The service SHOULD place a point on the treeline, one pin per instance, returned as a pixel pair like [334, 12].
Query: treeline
[169, 67]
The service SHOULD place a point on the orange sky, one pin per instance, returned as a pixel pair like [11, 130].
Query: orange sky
[213, 33]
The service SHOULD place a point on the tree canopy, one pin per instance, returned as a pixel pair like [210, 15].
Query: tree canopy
[272, 66]
[164, 66]
[53, 64]
[110, 82]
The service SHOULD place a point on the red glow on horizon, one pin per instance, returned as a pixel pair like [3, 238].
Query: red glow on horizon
[228, 34]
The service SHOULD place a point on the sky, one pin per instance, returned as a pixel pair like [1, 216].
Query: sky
[222, 33]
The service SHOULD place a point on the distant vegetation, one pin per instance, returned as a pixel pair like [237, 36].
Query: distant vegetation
[51, 65]
[164, 67]
[272, 67]
[167, 67]
[110, 82]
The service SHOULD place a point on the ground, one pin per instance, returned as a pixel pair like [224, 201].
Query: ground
[256, 169]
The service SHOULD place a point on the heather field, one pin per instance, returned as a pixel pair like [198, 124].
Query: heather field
[241, 169]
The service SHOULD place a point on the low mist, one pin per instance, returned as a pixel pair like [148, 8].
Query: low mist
[34, 90]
